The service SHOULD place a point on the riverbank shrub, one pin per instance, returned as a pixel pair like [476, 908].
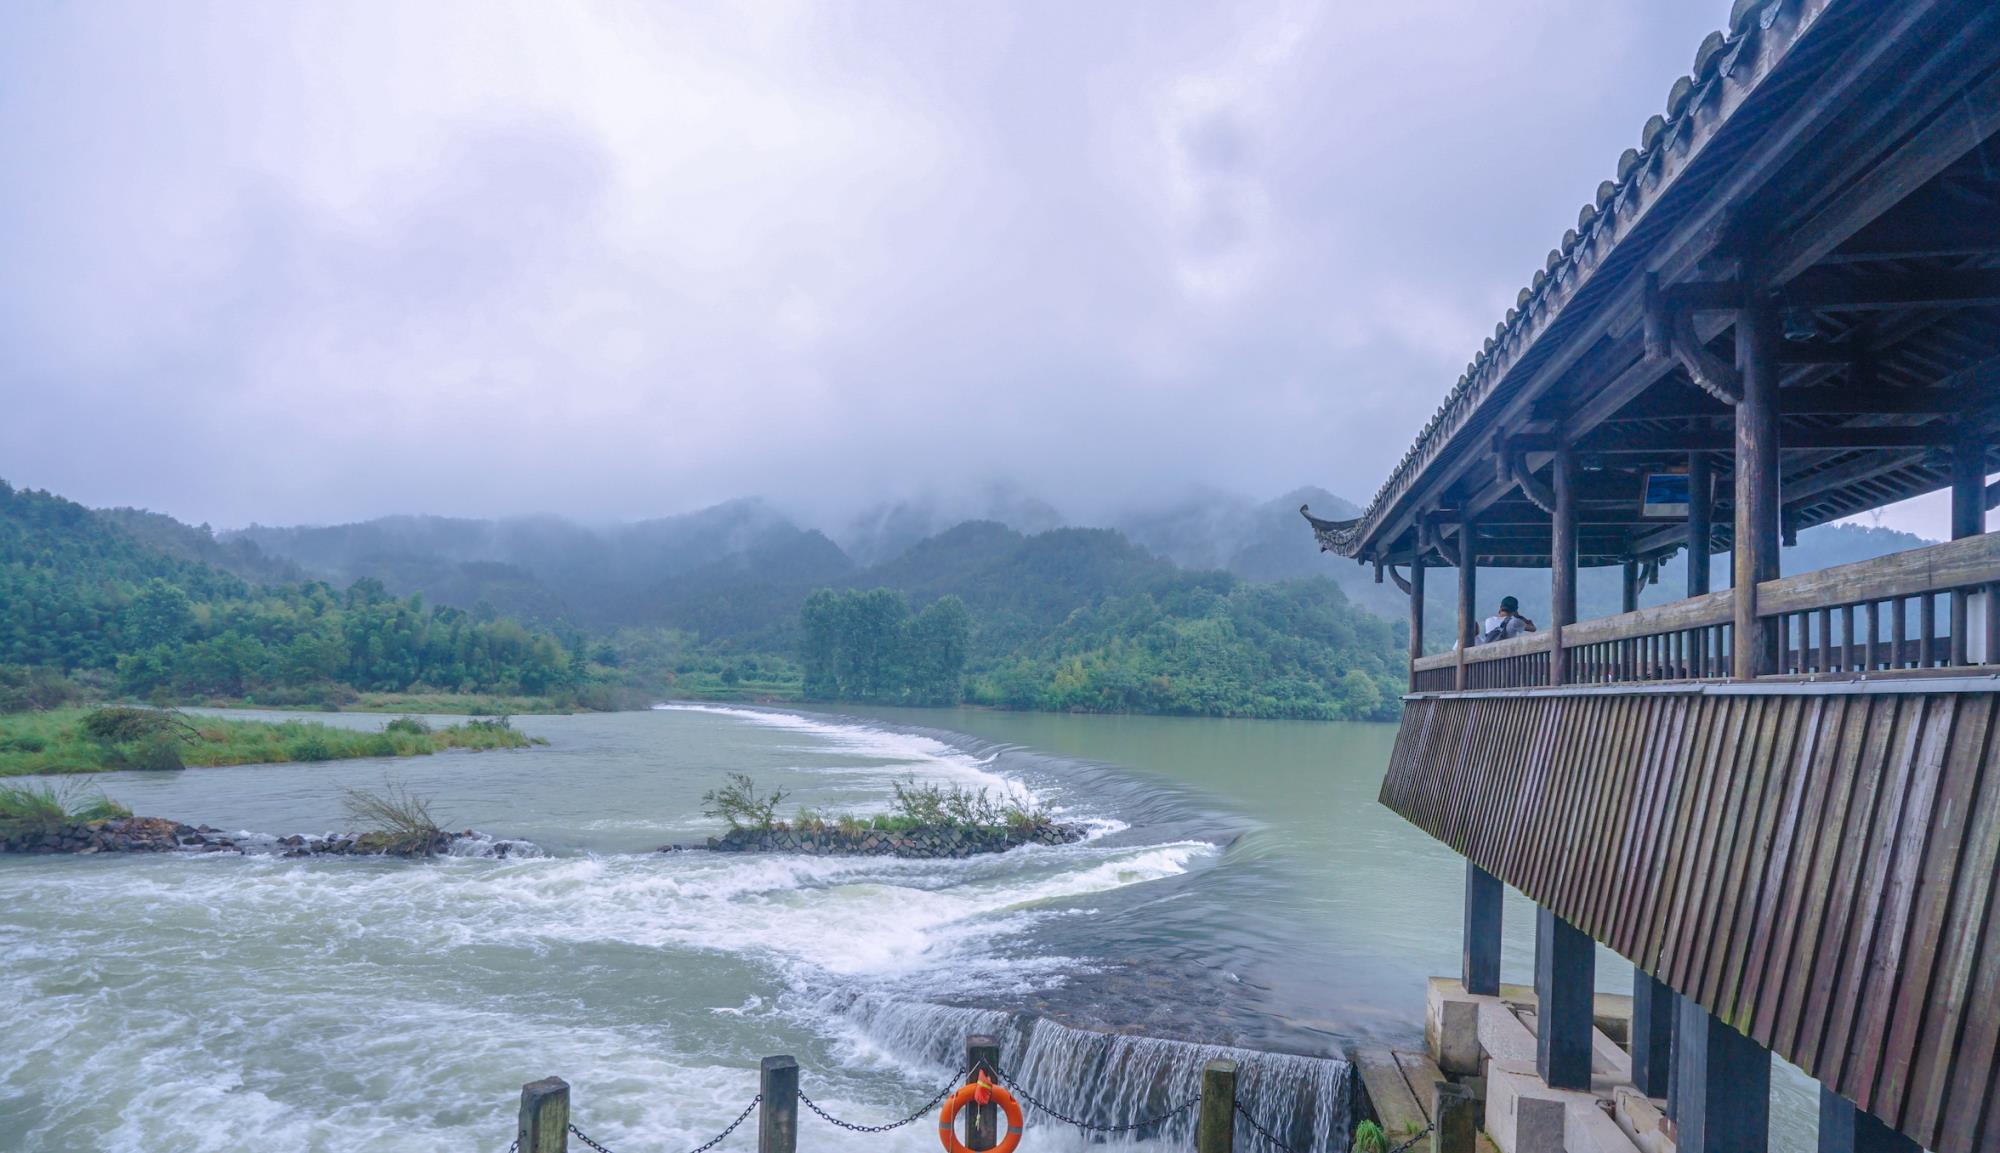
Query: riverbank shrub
[62, 741]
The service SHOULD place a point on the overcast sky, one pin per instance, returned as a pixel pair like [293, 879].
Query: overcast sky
[294, 263]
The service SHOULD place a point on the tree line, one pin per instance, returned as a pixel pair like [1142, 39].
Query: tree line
[867, 646]
[79, 594]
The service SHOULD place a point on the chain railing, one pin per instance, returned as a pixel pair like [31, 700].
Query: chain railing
[785, 1094]
[922, 1112]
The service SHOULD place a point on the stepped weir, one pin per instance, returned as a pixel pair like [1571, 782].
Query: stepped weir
[1778, 799]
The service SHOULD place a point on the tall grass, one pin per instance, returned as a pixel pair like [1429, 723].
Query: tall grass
[35, 809]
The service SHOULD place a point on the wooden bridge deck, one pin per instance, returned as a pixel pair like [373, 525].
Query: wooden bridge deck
[1813, 863]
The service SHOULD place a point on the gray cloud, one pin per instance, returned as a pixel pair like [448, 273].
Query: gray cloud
[265, 264]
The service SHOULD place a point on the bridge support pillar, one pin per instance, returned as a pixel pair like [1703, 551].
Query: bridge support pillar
[1481, 967]
[1653, 1013]
[1845, 1128]
[1565, 987]
[1723, 1095]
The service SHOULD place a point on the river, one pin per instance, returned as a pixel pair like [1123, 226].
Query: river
[1240, 888]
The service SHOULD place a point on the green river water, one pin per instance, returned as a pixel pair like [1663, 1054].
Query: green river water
[1240, 888]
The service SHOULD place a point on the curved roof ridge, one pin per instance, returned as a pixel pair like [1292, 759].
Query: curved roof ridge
[1613, 210]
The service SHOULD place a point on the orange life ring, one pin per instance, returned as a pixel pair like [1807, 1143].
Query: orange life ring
[969, 1095]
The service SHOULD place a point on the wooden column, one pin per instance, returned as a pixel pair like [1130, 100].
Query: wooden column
[1562, 561]
[1628, 599]
[1968, 519]
[1844, 1128]
[1654, 1007]
[1722, 1098]
[1701, 521]
[1968, 487]
[778, 1112]
[1480, 967]
[1215, 1124]
[1565, 988]
[544, 1124]
[982, 1126]
[1755, 651]
[1416, 613]
[1468, 592]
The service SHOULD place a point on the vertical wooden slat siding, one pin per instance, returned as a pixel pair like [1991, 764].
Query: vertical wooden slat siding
[1805, 857]
[1816, 867]
[1939, 875]
[1829, 954]
[1782, 835]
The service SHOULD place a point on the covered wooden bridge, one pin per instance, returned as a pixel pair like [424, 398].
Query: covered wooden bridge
[1780, 799]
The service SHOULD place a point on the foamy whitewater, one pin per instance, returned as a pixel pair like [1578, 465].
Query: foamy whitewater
[218, 1002]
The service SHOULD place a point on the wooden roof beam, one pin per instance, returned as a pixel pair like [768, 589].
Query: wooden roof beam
[1793, 438]
[1961, 125]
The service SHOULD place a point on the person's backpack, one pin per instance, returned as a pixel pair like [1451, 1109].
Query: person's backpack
[1496, 633]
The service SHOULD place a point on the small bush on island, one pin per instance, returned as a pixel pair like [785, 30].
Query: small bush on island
[393, 820]
[415, 726]
[739, 803]
[917, 806]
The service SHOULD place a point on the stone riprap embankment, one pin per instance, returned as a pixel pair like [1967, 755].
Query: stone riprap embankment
[924, 842]
[157, 835]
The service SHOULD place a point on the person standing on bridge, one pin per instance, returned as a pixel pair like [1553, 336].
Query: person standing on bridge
[1508, 622]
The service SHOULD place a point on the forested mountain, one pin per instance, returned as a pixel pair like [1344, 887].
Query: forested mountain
[708, 570]
[122, 595]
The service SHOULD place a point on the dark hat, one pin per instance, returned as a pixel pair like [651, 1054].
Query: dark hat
[1509, 605]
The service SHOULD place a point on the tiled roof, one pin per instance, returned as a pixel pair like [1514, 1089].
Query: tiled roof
[1759, 31]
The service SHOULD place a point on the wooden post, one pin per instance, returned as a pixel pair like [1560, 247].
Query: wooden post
[1416, 613]
[1968, 518]
[1722, 1095]
[1565, 989]
[1480, 967]
[1844, 1128]
[1562, 562]
[1968, 487]
[982, 1124]
[1756, 544]
[544, 1126]
[1215, 1125]
[778, 1112]
[1653, 1012]
[1468, 592]
[1628, 599]
[1454, 1118]
[1701, 519]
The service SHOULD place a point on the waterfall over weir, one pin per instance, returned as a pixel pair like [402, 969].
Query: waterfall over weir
[1113, 1079]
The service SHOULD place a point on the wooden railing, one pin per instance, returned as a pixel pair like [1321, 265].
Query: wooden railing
[1929, 608]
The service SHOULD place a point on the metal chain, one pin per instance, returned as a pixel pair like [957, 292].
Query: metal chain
[1412, 1141]
[950, 1087]
[1082, 1124]
[1266, 1134]
[513, 1145]
[711, 1143]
